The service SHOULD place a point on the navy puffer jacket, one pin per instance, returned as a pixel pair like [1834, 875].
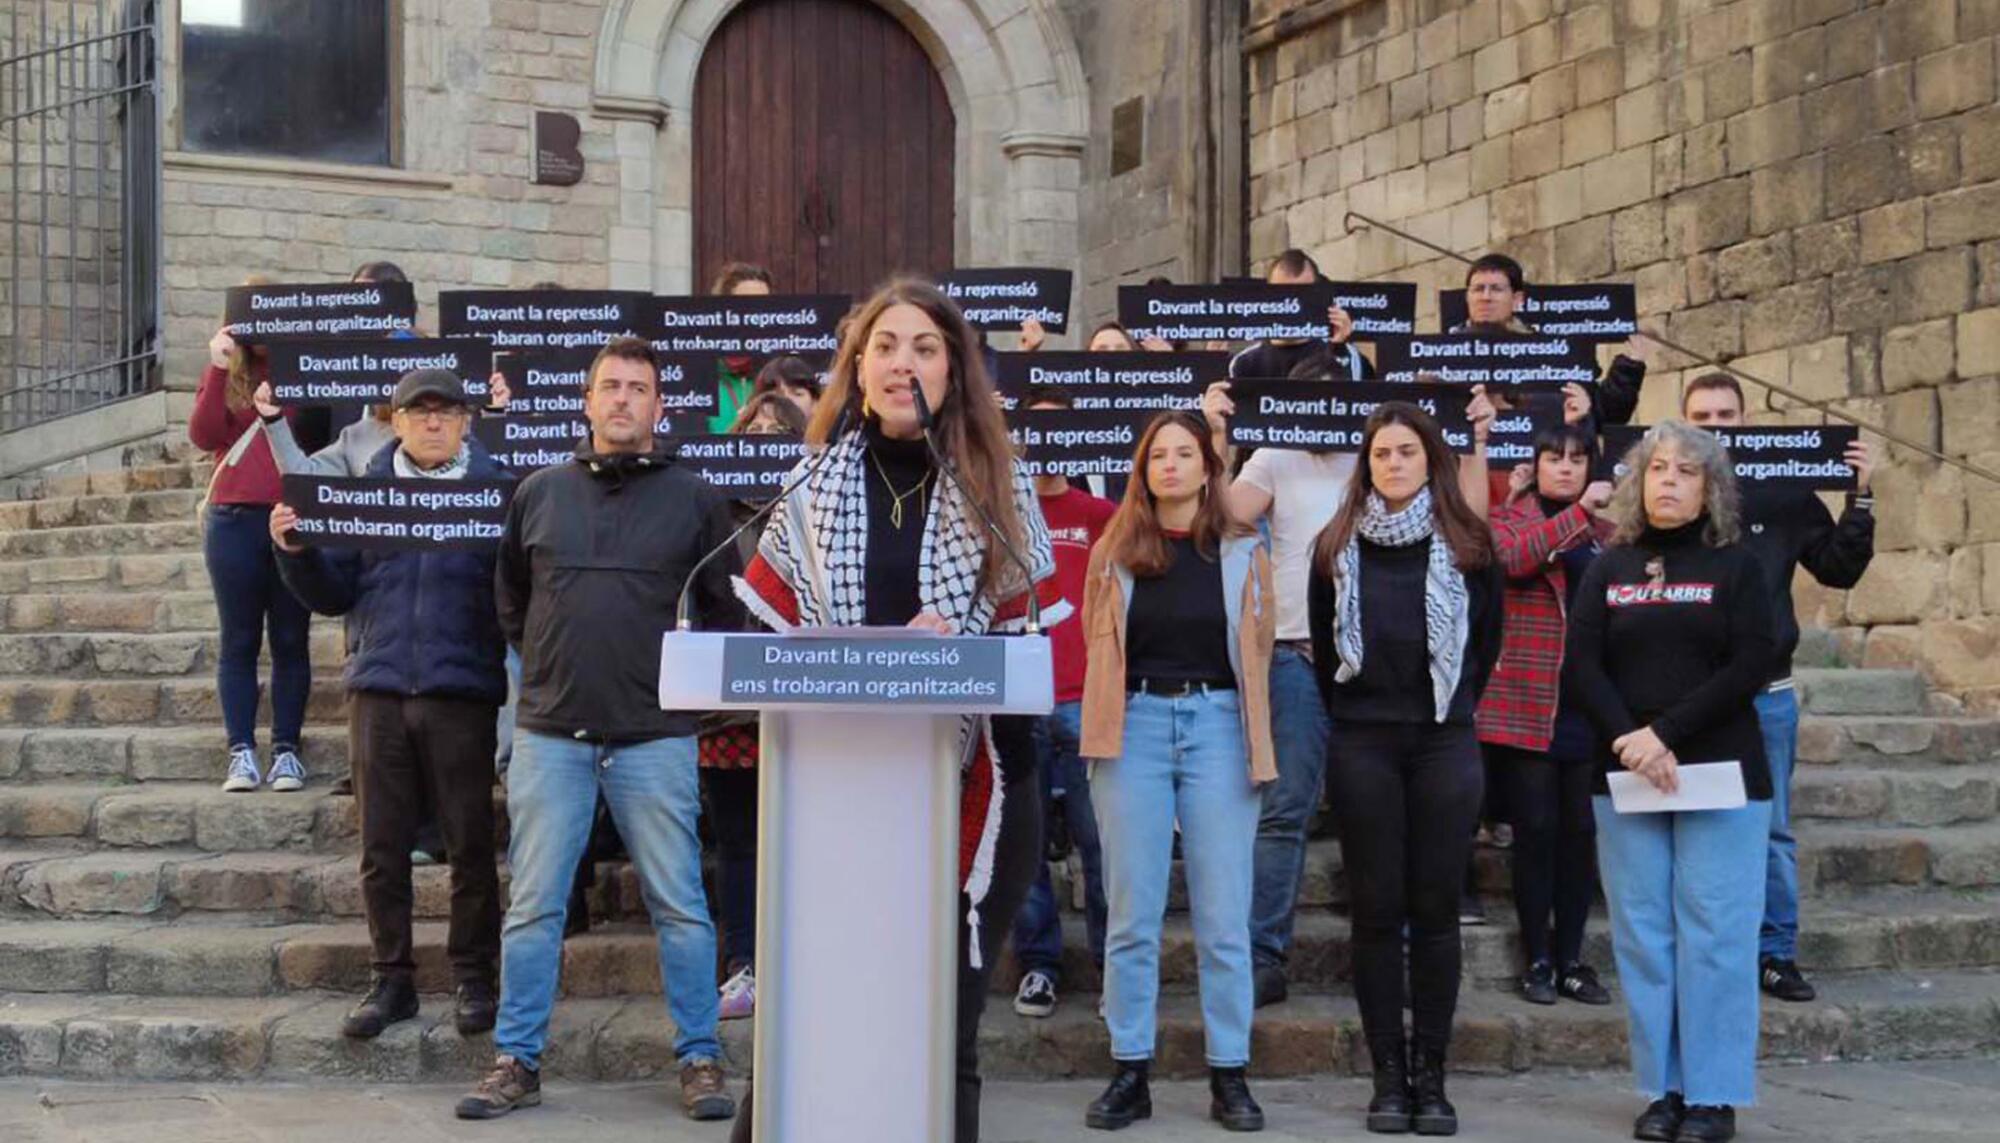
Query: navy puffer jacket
[418, 623]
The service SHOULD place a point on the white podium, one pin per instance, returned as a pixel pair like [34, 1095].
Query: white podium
[857, 862]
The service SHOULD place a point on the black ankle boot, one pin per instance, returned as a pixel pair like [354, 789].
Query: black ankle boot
[390, 1000]
[1127, 1099]
[1389, 1111]
[1433, 1113]
[1229, 1100]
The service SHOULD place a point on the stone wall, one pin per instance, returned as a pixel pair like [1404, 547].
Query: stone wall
[1805, 186]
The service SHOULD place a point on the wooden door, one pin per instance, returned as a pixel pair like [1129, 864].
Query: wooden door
[823, 148]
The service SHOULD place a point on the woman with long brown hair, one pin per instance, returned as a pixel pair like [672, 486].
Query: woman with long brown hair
[878, 536]
[1178, 622]
[1404, 605]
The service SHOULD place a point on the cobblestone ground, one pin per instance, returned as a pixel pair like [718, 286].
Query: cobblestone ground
[1921, 1102]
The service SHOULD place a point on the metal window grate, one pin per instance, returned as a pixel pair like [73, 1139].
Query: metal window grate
[80, 208]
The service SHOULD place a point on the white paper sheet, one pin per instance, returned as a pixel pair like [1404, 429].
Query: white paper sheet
[1703, 786]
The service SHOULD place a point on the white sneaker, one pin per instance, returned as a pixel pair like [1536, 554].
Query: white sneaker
[1037, 995]
[287, 773]
[739, 996]
[243, 776]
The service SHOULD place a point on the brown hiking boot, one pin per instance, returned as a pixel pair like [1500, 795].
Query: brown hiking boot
[509, 1085]
[704, 1092]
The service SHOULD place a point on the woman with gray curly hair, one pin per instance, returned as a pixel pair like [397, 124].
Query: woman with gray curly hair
[1669, 641]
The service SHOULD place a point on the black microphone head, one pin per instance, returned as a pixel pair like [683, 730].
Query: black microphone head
[925, 419]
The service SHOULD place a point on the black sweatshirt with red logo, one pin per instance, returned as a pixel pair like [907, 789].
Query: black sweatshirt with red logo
[1670, 633]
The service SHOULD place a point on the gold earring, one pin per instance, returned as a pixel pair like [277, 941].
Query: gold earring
[864, 405]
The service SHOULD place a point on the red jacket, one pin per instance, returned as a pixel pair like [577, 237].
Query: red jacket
[1518, 707]
[214, 428]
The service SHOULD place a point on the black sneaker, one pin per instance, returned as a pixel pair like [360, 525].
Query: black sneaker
[1230, 1103]
[1579, 983]
[1538, 984]
[1707, 1124]
[1129, 1098]
[1037, 995]
[1661, 1120]
[1782, 979]
[390, 1000]
[1271, 986]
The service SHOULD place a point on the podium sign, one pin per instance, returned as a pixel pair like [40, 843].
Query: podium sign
[857, 860]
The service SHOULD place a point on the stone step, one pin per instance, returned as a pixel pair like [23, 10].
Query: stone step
[32, 704]
[1834, 859]
[103, 539]
[1895, 741]
[83, 655]
[147, 755]
[170, 505]
[297, 1037]
[147, 612]
[1852, 690]
[128, 820]
[188, 472]
[1930, 797]
[151, 571]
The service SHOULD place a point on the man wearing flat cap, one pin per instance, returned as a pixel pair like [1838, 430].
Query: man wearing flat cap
[426, 673]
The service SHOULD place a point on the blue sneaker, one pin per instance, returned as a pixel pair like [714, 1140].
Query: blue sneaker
[288, 774]
[243, 776]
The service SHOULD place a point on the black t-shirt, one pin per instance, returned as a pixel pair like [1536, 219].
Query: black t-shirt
[895, 553]
[1177, 628]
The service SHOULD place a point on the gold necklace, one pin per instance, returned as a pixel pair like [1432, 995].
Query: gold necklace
[896, 507]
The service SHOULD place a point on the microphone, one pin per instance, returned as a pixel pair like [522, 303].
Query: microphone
[683, 618]
[925, 420]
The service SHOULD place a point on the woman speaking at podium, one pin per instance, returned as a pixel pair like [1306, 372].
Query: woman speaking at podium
[877, 535]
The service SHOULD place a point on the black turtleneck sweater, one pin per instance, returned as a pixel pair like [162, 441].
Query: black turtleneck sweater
[895, 554]
[1682, 646]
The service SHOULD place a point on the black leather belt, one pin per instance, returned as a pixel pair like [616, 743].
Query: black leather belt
[1178, 688]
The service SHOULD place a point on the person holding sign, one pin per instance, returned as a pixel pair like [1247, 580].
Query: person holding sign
[878, 535]
[1404, 766]
[1669, 643]
[426, 675]
[236, 547]
[1272, 360]
[1540, 749]
[1496, 288]
[1788, 529]
[1177, 723]
[594, 557]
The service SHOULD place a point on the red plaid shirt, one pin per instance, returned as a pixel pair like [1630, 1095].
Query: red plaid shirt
[1519, 706]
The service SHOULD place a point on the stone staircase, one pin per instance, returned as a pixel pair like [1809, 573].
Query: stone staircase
[153, 927]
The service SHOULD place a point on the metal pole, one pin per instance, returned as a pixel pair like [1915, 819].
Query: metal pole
[1824, 409]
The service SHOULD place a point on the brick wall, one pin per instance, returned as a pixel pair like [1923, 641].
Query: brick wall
[1807, 186]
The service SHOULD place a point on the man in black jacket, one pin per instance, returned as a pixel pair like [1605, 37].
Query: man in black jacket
[1275, 360]
[426, 673]
[1787, 529]
[594, 557]
[1495, 290]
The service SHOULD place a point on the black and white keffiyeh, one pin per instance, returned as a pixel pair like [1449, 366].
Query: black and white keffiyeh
[1446, 610]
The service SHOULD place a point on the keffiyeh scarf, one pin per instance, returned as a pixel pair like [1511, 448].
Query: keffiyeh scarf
[1446, 611]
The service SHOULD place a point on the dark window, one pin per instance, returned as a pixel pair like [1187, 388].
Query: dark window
[304, 78]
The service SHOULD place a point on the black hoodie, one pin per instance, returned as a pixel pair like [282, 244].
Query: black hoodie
[1790, 528]
[592, 563]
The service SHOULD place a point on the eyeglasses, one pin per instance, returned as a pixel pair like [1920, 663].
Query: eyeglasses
[433, 414]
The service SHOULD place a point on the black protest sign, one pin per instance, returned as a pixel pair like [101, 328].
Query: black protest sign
[1379, 309]
[354, 372]
[1328, 416]
[1139, 379]
[1063, 442]
[1225, 313]
[742, 466]
[347, 309]
[1498, 360]
[1593, 311]
[399, 515]
[523, 445]
[1795, 456]
[549, 382]
[1510, 439]
[541, 319]
[1003, 299]
[747, 324]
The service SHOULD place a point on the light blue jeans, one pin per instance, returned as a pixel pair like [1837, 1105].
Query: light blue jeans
[1684, 916]
[1299, 731]
[1184, 759]
[654, 796]
[1778, 717]
[503, 736]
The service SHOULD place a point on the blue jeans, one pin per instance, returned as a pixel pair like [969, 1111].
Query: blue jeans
[1299, 729]
[503, 752]
[1184, 759]
[1684, 933]
[654, 796]
[249, 600]
[1778, 716]
[1038, 926]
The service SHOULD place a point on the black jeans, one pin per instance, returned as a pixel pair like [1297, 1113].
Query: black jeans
[732, 815]
[1555, 848]
[418, 755]
[1016, 854]
[1407, 797]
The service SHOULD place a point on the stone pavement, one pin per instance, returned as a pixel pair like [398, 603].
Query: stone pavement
[1905, 1102]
